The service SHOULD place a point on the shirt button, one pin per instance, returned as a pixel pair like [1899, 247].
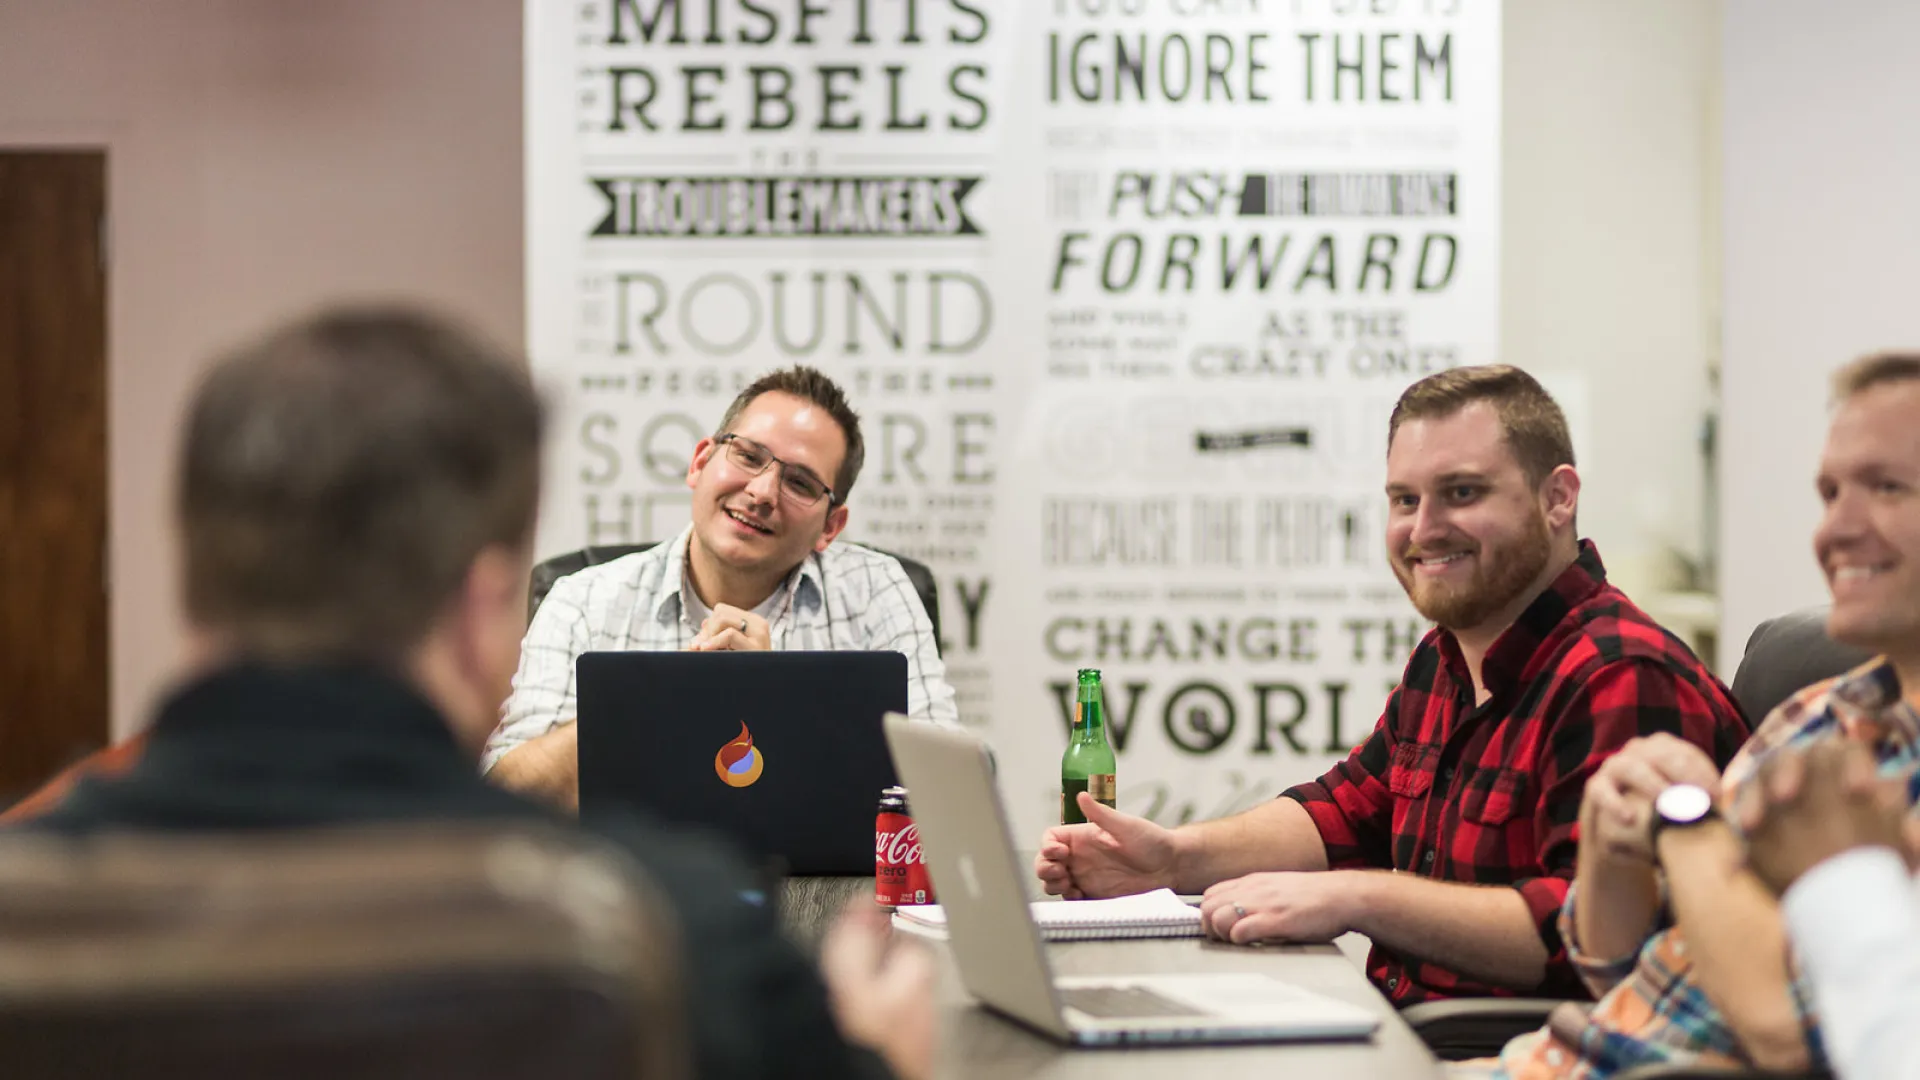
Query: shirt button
[1446, 775]
[1393, 983]
[1427, 859]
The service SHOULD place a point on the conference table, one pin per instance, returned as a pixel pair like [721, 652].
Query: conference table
[975, 1042]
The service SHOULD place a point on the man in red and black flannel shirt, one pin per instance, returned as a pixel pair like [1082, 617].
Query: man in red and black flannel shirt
[1470, 785]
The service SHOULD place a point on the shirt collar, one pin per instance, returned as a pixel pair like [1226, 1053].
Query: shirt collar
[1506, 662]
[666, 602]
[667, 606]
[347, 698]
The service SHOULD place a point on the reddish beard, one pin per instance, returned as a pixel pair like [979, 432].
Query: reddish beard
[1501, 573]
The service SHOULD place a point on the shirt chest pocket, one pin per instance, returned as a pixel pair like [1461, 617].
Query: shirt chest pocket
[1410, 770]
[1496, 796]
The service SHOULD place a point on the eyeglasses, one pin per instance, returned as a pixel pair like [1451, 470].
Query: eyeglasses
[797, 481]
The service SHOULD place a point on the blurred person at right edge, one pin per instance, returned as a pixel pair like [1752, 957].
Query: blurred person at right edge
[355, 504]
[1830, 822]
[1448, 837]
[1687, 945]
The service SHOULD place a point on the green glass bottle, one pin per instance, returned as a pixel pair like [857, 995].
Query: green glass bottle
[1088, 763]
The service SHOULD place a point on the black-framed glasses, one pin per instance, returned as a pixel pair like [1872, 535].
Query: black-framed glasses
[797, 482]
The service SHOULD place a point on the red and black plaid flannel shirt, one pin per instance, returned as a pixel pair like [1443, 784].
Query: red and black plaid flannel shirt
[1490, 795]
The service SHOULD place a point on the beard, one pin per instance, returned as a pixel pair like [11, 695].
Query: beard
[1501, 573]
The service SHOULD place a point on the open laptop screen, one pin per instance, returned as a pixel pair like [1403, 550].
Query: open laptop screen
[781, 750]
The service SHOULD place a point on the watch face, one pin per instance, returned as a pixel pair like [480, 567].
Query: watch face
[1683, 804]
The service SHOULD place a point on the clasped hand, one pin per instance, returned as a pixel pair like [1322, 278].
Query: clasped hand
[732, 629]
[1807, 805]
[1616, 809]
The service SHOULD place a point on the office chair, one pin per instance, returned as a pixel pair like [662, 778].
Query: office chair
[486, 953]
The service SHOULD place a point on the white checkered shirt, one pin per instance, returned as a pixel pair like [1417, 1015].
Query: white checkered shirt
[850, 597]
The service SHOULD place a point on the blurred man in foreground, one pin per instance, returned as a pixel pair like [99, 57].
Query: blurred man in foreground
[1685, 945]
[356, 502]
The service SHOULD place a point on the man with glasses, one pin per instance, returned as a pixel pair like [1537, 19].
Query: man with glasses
[756, 569]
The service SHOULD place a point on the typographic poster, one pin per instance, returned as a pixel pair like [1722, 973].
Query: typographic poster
[1123, 290]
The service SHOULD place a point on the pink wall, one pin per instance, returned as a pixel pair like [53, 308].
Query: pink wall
[264, 157]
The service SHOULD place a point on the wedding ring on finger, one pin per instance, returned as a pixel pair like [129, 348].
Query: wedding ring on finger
[1239, 912]
[743, 626]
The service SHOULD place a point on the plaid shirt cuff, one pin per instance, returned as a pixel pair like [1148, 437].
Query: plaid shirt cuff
[1543, 897]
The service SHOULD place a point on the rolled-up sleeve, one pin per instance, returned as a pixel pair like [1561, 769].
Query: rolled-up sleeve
[544, 696]
[1352, 805]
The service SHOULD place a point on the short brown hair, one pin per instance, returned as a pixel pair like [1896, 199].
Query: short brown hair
[1875, 369]
[1531, 421]
[339, 477]
[811, 385]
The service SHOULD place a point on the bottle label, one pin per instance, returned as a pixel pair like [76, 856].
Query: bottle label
[1103, 787]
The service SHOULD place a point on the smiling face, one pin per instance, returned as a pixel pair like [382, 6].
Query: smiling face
[744, 521]
[1868, 541]
[1469, 536]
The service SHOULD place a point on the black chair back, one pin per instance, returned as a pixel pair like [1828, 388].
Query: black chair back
[551, 570]
[1786, 654]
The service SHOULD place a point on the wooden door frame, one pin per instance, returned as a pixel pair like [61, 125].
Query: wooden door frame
[96, 461]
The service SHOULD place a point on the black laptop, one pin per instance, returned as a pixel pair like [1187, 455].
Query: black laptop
[782, 750]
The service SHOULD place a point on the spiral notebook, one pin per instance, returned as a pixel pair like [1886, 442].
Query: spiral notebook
[1147, 915]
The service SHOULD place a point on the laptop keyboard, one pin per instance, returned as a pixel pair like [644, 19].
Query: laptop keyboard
[1124, 1003]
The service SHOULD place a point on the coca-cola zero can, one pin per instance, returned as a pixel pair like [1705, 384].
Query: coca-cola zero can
[899, 866]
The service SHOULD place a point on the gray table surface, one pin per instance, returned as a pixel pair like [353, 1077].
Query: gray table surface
[976, 1043]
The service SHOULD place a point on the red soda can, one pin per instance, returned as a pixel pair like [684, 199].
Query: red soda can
[899, 866]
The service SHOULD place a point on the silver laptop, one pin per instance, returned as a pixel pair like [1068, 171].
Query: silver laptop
[980, 882]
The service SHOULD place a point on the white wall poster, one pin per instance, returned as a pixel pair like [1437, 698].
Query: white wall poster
[1123, 290]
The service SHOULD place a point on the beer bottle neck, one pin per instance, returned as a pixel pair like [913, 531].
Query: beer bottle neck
[1088, 717]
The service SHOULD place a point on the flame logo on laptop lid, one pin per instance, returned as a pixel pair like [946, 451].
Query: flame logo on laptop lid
[739, 762]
